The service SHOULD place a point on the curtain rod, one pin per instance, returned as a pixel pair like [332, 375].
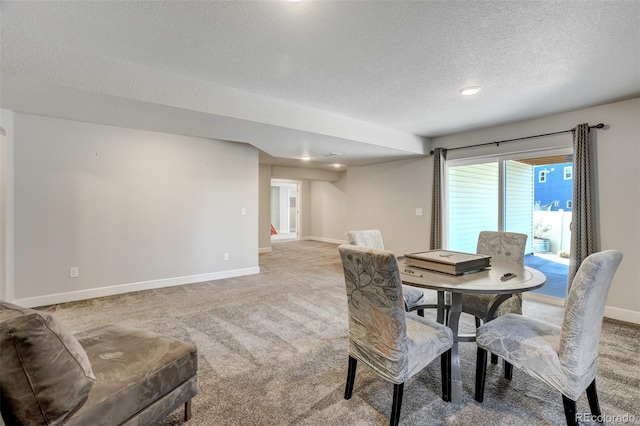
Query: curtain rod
[597, 126]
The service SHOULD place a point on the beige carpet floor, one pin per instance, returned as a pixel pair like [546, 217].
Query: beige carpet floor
[273, 351]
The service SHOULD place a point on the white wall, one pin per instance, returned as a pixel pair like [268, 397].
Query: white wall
[305, 209]
[3, 214]
[385, 197]
[329, 210]
[131, 209]
[6, 205]
[264, 203]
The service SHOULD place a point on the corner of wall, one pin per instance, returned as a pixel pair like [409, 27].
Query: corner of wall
[6, 205]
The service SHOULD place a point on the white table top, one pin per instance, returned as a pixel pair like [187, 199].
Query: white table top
[486, 281]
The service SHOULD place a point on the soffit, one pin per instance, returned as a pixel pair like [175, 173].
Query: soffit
[377, 67]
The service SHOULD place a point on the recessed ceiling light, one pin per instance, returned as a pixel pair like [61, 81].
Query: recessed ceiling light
[470, 90]
[337, 166]
[305, 158]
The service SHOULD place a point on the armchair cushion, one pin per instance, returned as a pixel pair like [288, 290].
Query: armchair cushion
[109, 375]
[135, 369]
[46, 375]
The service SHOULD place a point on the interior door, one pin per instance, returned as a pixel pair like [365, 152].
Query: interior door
[285, 209]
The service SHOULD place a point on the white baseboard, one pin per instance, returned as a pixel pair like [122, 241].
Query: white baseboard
[307, 238]
[619, 314]
[622, 314]
[72, 296]
[325, 240]
[550, 300]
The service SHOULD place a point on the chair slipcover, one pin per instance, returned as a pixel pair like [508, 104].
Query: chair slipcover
[372, 238]
[506, 247]
[396, 345]
[563, 357]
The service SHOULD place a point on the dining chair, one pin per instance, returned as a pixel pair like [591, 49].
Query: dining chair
[414, 298]
[564, 357]
[395, 344]
[506, 247]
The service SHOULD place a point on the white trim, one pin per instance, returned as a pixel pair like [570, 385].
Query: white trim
[325, 240]
[52, 299]
[550, 300]
[570, 174]
[265, 250]
[622, 314]
[619, 314]
[542, 176]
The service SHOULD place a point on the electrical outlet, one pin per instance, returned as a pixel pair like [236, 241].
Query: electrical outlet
[74, 271]
[226, 256]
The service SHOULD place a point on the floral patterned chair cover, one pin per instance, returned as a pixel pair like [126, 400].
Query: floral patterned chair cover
[414, 298]
[395, 344]
[564, 357]
[504, 246]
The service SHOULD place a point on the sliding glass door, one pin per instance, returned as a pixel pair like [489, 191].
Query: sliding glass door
[506, 194]
[488, 196]
[473, 203]
[284, 209]
[517, 213]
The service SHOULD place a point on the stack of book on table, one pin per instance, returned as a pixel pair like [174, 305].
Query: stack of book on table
[449, 262]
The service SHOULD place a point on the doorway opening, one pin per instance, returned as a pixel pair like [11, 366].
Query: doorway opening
[531, 195]
[285, 211]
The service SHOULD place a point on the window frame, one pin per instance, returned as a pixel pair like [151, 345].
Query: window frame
[542, 176]
[501, 159]
[570, 174]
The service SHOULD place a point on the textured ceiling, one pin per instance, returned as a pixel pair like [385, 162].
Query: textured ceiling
[369, 80]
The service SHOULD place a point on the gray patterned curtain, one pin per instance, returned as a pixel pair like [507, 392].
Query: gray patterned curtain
[582, 231]
[439, 157]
